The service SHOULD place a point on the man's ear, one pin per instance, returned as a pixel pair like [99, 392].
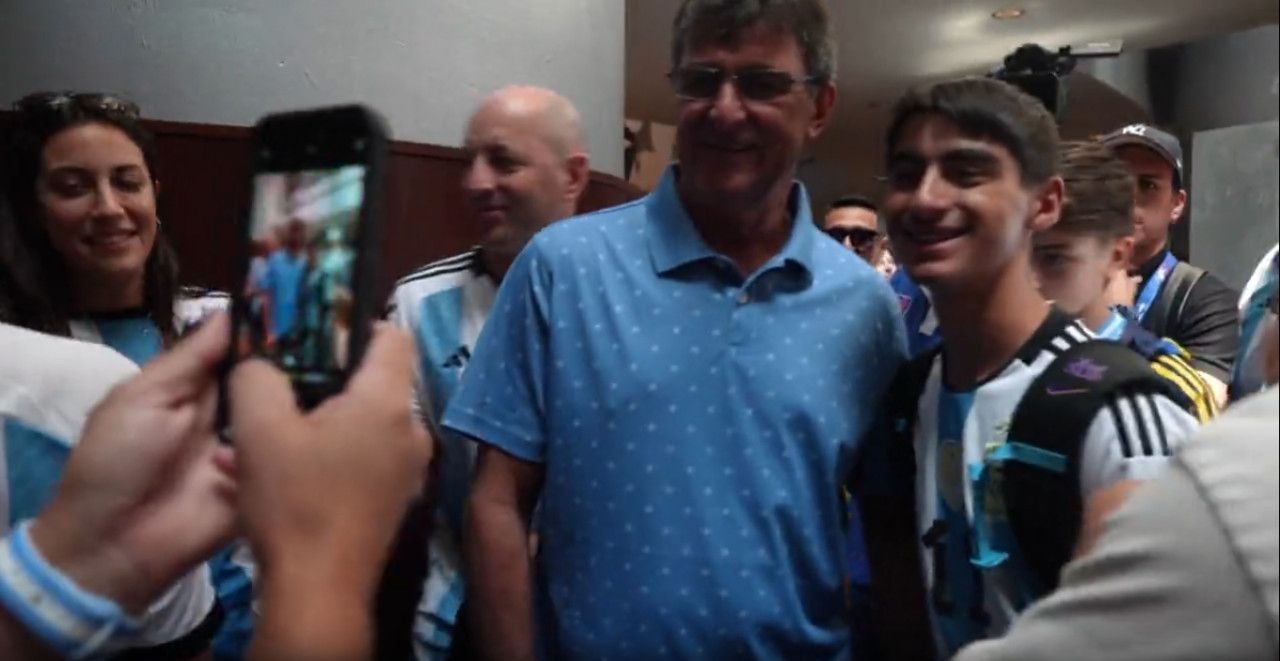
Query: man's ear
[578, 170]
[1047, 205]
[1179, 206]
[1121, 253]
[824, 104]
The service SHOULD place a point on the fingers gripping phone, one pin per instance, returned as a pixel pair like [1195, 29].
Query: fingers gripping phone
[310, 246]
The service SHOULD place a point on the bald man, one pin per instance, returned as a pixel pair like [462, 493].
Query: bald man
[526, 167]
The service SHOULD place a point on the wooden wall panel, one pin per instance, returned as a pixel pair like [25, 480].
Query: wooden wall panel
[205, 170]
[204, 175]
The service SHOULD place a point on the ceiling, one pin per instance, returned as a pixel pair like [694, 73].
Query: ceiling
[887, 45]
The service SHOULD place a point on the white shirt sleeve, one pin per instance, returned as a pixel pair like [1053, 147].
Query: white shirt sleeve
[1132, 438]
[181, 609]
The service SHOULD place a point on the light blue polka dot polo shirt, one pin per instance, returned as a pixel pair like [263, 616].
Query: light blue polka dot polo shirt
[694, 426]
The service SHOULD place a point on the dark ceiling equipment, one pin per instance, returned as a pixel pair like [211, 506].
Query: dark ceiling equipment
[1042, 73]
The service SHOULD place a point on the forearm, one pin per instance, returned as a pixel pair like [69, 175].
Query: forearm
[309, 618]
[18, 643]
[496, 548]
[1096, 510]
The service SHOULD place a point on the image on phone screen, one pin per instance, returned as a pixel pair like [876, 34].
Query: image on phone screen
[298, 290]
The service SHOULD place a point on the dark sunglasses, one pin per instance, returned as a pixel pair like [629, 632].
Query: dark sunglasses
[859, 237]
[703, 83]
[62, 101]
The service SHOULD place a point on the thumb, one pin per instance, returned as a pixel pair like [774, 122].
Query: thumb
[260, 398]
[387, 368]
[192, 363]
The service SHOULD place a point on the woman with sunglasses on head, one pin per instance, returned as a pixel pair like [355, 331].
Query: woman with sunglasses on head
[87, 258]
[83, 185]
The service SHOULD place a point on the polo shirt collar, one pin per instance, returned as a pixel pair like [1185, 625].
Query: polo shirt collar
[674, 240]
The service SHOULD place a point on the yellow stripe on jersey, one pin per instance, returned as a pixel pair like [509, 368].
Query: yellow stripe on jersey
[1175, 370]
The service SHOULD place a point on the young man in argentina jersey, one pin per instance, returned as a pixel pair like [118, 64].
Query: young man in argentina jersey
[1086, 253]
[528, 166]
[972, 173]
[48, 386]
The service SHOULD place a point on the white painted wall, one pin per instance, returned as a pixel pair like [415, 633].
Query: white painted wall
[423, 63]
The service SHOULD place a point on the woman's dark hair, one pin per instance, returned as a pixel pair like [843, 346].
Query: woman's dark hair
[35, 287]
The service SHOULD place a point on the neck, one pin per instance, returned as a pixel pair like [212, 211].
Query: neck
[1142, 255]
[748, 234]
[496, 264]
[984, 327]
[106, 295]
[1096, 314]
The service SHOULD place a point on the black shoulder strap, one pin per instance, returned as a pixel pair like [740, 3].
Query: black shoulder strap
[1041, 468]
[1172, 297]
[904, 406]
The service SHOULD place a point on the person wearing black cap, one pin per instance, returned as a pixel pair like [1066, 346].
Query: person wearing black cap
[1169, 297]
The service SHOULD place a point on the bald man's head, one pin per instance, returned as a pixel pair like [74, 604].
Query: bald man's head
[552, 116]
[527, 164]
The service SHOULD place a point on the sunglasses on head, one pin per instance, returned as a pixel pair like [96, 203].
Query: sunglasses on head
[858, 237]
[696, 83]
[62, 101]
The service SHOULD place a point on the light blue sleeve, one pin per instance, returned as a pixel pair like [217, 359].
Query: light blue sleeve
[501, 400]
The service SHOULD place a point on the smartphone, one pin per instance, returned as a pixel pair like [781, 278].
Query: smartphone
[310, 241]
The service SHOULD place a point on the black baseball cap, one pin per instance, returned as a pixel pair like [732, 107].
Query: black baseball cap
[1143, 135]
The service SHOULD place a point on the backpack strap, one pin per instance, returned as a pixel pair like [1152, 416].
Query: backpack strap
[1153, 347]
[904, 406]
[1041, 455]
[1172, 298]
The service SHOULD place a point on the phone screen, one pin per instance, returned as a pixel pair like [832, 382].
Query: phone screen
[298, 291]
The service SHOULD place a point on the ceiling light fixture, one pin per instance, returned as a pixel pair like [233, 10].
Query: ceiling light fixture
[1008, 14]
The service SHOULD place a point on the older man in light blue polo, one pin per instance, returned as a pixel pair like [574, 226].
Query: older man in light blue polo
[682, 382]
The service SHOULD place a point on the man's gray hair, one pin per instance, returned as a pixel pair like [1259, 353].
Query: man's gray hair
[722, 22]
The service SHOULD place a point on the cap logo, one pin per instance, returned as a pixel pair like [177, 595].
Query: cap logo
[1135, 129]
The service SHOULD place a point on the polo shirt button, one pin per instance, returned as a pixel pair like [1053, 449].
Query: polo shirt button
[744, 298]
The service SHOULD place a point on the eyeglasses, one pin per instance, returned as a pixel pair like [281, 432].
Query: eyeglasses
[61, 101]
[860, 238]
[703, 83]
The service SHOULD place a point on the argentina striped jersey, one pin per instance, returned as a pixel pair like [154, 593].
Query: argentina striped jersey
[443, 306]
[1132, 438]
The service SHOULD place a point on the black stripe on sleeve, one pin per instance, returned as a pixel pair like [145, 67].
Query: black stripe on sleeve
[1143, 437]
[1158, 424]
[1122, 433]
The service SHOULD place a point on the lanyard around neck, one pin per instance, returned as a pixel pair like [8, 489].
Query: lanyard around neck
[1113, 327]
[1152, 288]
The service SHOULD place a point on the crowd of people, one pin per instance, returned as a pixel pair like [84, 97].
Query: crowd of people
[985, 415]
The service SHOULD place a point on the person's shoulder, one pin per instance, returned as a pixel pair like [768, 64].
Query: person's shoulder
[584, 232]
[439, 275]
[1245, 432]
[1209, 291]
[57, 380]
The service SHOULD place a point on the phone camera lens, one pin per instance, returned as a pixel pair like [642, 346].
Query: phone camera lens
[359, 144]
[311, 149]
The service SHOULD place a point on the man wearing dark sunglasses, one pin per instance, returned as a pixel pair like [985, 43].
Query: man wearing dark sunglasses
[853, 221]
[677, 383]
